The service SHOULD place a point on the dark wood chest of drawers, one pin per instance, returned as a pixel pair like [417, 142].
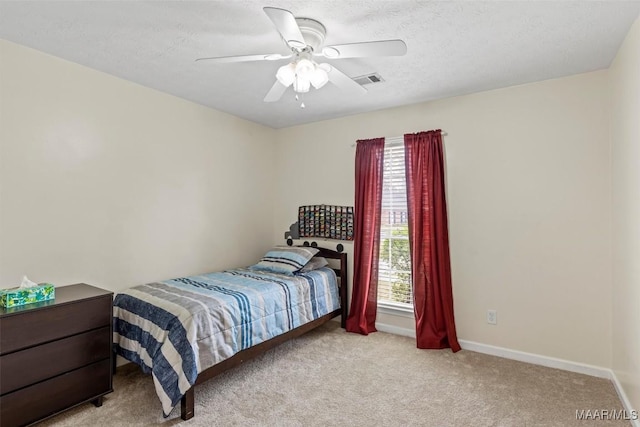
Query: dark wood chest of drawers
[55, 355]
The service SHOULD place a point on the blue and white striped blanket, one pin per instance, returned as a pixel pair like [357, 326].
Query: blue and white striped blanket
[178, 328]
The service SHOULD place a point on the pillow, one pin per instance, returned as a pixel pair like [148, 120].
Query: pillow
[285, 259]
[314, 264]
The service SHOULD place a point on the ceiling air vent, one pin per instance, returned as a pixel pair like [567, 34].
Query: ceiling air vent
[369, 79]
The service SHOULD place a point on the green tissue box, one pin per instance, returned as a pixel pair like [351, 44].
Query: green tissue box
[21, 296]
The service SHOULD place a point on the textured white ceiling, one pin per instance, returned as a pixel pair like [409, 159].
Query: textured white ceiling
[454, 47]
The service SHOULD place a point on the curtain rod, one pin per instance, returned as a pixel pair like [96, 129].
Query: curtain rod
[402, 137]
[443, 133]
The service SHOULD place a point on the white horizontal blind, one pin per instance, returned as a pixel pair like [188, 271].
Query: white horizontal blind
[394, 275]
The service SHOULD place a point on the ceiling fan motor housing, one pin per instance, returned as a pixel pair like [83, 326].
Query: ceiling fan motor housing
[313, 32]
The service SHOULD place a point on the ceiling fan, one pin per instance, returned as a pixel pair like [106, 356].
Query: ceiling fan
[305, 38]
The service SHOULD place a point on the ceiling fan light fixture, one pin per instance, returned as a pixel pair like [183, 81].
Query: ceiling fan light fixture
[319, 78]
[305, 68]
[301, 85]
[286, 74]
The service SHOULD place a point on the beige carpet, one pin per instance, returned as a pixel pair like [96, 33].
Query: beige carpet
[330, 377]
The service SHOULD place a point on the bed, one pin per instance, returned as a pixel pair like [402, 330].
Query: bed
[187, 330]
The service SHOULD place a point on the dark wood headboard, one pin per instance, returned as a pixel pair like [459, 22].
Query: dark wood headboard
[341, 273]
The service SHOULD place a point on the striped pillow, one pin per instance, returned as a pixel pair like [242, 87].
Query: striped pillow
[285, 259]
[314, 264]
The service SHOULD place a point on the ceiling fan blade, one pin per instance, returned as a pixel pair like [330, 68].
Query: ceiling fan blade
[287, 26]
[344, 82]
[244, 58]
[275, 93]
[359, 50]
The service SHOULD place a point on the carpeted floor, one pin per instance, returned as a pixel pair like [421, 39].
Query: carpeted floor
[330, 377]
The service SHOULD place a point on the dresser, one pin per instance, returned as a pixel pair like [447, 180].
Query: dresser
[55, 355]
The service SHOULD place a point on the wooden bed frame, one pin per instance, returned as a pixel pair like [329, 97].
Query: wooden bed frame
[187, 402]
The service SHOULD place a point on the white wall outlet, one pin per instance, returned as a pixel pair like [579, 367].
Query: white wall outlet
[492, 317]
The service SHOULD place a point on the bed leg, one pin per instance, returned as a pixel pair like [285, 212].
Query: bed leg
[345, 312]
[186, 405]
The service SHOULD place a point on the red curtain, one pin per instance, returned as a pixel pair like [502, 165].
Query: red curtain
[367, 215]
[429, 241]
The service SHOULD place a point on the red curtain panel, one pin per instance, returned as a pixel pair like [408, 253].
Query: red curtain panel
[429, 241]
[367, 215]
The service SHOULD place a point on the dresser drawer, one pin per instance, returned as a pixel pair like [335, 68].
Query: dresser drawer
[22, 368]
[55, 395]
[51, 323]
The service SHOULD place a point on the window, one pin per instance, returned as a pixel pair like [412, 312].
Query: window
[394, 269]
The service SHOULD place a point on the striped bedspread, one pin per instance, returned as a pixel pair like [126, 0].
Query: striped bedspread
[178, 328]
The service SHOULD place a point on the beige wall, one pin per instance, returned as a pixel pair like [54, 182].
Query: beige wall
[529, 194]
[625, 139]
[108, 182]
[115, 184]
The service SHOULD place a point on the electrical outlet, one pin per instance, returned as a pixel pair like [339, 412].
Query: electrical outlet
[492, 317]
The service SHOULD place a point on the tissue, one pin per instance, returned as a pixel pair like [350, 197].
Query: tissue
[26, 283]
[27, 293]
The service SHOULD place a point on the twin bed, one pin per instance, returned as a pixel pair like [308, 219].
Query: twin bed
[187, 330]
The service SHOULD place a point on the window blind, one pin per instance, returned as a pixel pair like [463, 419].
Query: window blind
[394, 269]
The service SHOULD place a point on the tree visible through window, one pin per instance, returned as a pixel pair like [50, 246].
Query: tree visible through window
[394, 276]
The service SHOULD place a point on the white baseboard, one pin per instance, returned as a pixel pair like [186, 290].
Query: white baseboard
[405, 332]
[536, 359]
[625, 399]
